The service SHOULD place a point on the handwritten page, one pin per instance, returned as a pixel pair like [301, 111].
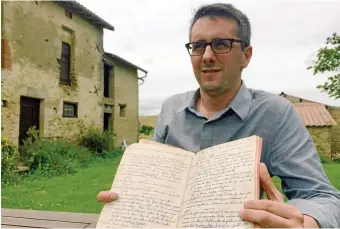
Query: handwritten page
[150, 182]
[221, 179]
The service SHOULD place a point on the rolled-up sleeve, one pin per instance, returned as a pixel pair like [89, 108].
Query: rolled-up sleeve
[293, 157]
[324, 209]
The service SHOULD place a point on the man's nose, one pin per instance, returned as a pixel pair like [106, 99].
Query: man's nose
[208, 55]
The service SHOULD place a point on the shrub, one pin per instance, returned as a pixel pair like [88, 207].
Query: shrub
[147, 130]
[55, 157]
[32, 137]
[9, 160]
[97, 141]
[323, 158]
[52, 157]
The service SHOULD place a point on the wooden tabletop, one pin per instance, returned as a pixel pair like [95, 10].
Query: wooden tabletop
[15, 218]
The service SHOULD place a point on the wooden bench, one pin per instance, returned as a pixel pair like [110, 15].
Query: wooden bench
[15, 218]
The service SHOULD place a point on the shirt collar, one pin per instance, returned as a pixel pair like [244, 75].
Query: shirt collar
[240, 104]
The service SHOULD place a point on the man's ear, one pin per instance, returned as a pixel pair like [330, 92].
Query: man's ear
[247, 54]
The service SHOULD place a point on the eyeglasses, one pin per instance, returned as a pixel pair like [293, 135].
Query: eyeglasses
[219, 46]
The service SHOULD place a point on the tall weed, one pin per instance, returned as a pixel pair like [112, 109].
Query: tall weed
[97, 141]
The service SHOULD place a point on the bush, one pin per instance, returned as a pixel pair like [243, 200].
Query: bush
[323, 158]
[9, 159]
[147, 130]
[52, 157]
[97, 141]
[336, 158]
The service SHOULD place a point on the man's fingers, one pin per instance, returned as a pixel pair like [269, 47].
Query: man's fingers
[280, 209]
[269, 186]
[106, 196]
[264, 218]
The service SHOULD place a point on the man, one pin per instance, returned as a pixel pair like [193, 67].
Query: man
[224, 109]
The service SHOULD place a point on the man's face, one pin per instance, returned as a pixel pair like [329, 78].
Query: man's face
[218, 73]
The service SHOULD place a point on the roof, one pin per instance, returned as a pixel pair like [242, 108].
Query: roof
[313, 95]
[314, 114]
[113, 56]
[86, 14]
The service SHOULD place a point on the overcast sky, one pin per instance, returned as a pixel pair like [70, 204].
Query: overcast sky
[285, 38]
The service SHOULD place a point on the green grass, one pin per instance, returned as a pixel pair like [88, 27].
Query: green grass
[77, 193]
[70, 193]
[333, 173]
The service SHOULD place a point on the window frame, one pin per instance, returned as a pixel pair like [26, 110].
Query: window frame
[75, 109]
[65, 64]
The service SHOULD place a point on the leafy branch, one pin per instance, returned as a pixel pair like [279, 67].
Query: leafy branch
[328, 60]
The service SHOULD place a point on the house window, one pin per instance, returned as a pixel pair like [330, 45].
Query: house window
[107, 84]
[4, 103]
[122, 109]
[70, 110]
[65, 63]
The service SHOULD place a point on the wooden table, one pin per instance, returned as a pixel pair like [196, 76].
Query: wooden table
[14, 218]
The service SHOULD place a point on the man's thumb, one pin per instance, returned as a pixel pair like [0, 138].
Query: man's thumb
[106, 196]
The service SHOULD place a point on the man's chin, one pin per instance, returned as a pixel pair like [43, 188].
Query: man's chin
[212, 89]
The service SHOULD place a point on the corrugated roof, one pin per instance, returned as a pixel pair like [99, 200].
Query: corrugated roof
[75, 7]
[314, 114]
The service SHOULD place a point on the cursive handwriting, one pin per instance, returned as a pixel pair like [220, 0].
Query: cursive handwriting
[150, 182]
[221, 179]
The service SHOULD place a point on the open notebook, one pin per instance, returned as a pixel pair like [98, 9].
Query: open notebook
[163, 186]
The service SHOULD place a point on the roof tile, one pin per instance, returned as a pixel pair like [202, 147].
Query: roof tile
[314, 114]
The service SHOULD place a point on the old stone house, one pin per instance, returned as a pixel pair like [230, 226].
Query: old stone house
[322, 122]
[56, 75]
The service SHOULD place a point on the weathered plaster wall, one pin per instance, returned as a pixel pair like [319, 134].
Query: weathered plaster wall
[34, 33]
[125, 84]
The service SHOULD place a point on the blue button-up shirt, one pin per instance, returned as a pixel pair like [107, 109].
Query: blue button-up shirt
[288, 149]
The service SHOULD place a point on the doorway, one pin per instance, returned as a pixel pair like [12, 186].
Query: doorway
[107, 122]
[29, 116]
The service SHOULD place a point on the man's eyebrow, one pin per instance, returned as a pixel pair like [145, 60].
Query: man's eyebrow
[214, 39]
[199, 40]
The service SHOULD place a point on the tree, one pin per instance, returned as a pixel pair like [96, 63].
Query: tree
[328, 60]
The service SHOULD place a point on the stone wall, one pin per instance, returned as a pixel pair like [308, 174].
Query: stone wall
[335, 131]
[32, 34]
[322, 139]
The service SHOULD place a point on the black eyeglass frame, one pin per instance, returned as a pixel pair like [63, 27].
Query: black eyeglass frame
[187, 45]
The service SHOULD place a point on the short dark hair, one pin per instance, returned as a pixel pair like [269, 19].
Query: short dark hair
[227, 11]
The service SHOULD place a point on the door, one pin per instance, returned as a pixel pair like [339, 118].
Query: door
[29, 116]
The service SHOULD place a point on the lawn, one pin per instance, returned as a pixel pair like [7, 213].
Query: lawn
[77, 193]
[71, 193]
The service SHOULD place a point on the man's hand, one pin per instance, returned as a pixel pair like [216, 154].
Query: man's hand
[106, 196]
[273, 212]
